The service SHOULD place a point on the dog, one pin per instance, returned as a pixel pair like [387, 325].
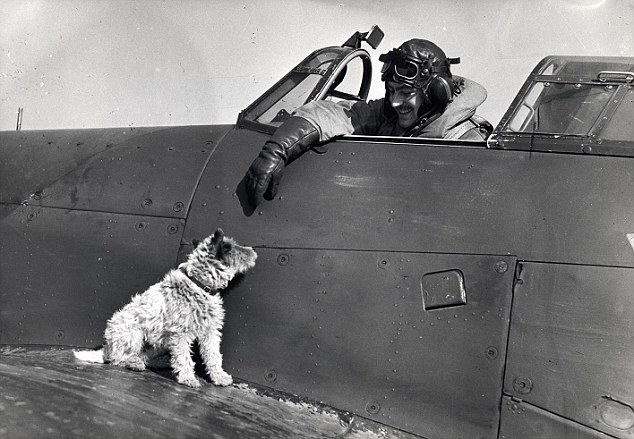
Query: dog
[170, 315]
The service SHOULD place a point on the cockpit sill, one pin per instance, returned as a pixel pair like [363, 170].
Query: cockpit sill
[533, 142]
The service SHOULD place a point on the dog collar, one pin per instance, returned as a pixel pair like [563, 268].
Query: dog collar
[199, 284]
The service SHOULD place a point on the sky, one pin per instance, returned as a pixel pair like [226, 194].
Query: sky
[120, 63]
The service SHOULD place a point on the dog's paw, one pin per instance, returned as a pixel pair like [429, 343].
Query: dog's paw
[137, 366]
[222, 379]
[192, 382]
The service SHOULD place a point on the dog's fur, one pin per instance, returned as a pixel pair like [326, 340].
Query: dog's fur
[174, 312]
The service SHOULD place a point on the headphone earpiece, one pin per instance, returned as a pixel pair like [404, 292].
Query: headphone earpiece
[441, 89]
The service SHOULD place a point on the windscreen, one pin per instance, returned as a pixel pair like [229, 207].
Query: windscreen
[294, 90]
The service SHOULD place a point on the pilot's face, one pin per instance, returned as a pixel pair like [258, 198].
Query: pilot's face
[406, 101]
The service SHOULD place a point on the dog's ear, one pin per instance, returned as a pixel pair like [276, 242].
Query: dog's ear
[216, 241]
[218, 236]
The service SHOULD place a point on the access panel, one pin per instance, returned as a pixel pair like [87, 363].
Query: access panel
[413, 340]
[64, 272]
[146, 171]
[523, 420]
[571, 345]
[411, 197]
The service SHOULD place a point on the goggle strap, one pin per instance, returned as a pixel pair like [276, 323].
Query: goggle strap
[440, 69]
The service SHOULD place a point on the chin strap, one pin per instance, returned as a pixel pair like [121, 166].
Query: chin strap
[427, 118]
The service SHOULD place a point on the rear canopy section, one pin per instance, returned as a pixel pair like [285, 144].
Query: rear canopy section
[573, 104]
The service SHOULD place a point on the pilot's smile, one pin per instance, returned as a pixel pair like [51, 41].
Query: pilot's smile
[406, 101]
[406, 116]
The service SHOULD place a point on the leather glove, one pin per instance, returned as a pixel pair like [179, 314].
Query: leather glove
[293, 138]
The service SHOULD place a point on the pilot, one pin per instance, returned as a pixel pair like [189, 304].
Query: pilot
[422, 99]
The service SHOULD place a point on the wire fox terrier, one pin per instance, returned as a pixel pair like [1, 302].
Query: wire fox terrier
[185, 306]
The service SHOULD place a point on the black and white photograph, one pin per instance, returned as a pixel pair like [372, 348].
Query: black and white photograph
[271, 219]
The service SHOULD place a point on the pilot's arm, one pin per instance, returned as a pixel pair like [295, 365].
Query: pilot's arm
[313, 123]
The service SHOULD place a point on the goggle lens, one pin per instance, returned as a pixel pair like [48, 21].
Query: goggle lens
[408, 70]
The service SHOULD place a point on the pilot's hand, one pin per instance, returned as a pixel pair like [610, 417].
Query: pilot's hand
[264, 174]
[292, 139]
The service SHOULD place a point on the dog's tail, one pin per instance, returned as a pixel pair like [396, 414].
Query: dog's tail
[93, 356]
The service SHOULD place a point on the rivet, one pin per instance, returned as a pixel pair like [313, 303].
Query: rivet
[491, 352]
[140, 226]
[172, 228]
[501, 266]
[283, 259]
[522, 385]
[373, 407]
[178, 206]
[270, 376]
[146, 203]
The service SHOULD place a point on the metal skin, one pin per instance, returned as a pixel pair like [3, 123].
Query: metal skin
[442, 288]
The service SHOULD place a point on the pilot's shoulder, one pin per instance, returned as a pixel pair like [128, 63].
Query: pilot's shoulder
[474, 128]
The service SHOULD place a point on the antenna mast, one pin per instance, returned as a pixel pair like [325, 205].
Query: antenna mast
[18, 126]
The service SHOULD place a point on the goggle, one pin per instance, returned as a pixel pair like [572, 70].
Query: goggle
[411, 70]
[403, 67]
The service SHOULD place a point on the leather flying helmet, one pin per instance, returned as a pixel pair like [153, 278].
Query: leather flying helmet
[421, 64]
